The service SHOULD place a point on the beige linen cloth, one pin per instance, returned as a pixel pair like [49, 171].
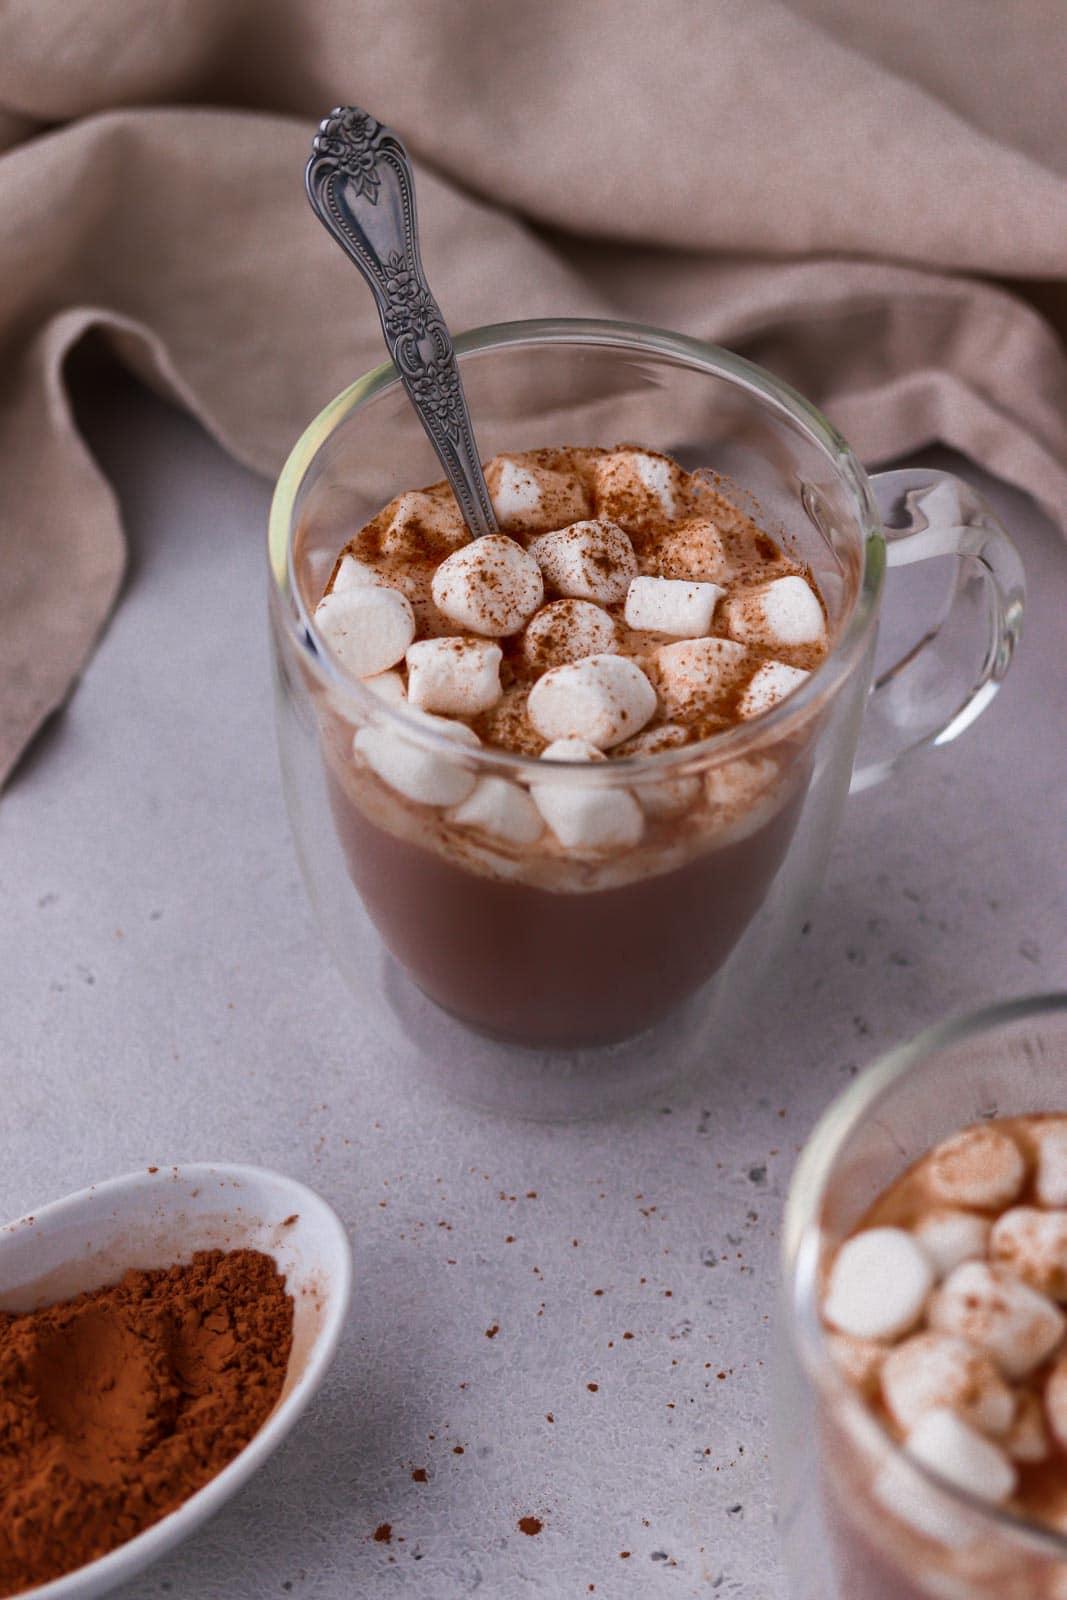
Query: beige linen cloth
[829, 186]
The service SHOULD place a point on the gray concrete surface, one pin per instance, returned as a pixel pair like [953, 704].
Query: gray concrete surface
[165, 996]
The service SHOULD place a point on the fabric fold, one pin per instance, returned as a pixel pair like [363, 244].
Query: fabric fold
[756, 175]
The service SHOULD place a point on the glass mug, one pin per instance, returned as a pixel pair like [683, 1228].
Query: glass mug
[858, 1519]
[651, 948]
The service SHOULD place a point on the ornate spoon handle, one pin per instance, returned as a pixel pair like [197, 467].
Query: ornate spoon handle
[360, 185]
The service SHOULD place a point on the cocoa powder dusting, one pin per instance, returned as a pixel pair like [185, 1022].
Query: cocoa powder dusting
[118, 1405]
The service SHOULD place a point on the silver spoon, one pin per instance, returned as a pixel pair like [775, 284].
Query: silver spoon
[361, 188]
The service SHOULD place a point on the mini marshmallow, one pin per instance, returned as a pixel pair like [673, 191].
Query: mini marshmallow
[693, 673]
[633, 485]
[859, 1359]
[769, 683]
[670, 605]
[491, 586]
[743, 795]
[950, 1236]
[587, 561]
[878, 1284]
[956, 1452]
[1027, 1439]
[587, 818]
[785, 611]
[665, 796]
[603, 699]
[980, 1166]
[388, 686]
[368, 629]
[514, 491]
[355, 574]
[937, 1369]
[527, 496]
[1033, 1244]
[422, 774]
[568, 630]
[909, 1498]
[1056, 1403]
[992, 1308]
[692, 550]
[456, 676]
[1050, 1177]
[421, 523]
[501, 809]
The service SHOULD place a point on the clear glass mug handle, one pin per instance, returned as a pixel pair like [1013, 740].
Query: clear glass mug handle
[948, 676]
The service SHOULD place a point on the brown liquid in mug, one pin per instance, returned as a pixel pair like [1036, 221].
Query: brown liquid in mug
[541, 967]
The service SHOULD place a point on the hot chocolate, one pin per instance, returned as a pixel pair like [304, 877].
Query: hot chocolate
[627, 613]
[946, 1311]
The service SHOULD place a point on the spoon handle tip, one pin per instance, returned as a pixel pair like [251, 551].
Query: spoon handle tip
[360, 185]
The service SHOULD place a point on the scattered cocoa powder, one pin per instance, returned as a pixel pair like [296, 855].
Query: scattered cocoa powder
[118, 1405]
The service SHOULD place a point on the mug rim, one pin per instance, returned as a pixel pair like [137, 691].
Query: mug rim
[800, 1249]
[717, 362]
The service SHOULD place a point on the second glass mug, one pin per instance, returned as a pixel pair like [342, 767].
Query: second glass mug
[661, 953]
[860, 1519]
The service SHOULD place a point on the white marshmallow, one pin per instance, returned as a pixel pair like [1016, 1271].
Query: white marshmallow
[356, 574]
[937, 1369]
[490, 586]
[949, 1236]
[769, 684]
[603, 699]
[909, 1497]
[420, 524]
[1056, 1403]
[422, 774]
[368, 629]
[514, 491]
[878, 1284]
[388, 686]
[691, 549]
[501, 809]
[1033, 1244]
[979, 1166]
[743, 795]
[693, 673]
[456, 676]
[1027, 1438]
[992, 1308]
[527, 496]
[959, 1454]
[859, 1359]
[587, 818]
[568, 630]
[587, 561]
[670, 605]
[633, 484]
[785, 611]
[661, 797]
[1050, 1178]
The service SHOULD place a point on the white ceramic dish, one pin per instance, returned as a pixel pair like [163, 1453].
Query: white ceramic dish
[157, 1217]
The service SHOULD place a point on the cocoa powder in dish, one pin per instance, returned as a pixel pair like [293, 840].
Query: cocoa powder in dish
[118, 1405]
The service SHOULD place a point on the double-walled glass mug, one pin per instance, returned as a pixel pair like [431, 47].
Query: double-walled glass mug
[859, 1519]
[463, 949]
